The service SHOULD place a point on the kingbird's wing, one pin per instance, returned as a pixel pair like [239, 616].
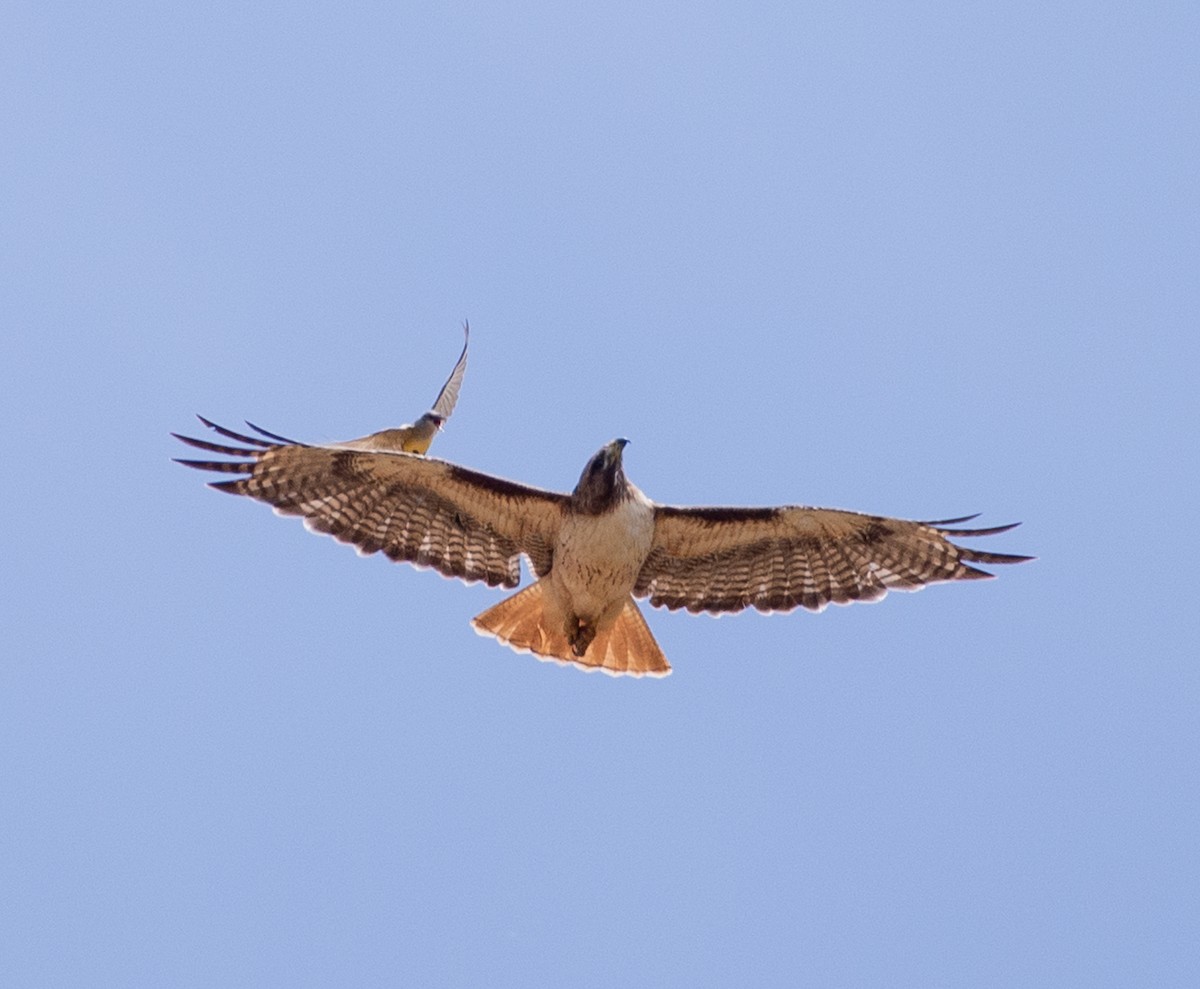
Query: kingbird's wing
[443, 405]
[428, 512]
[776, 559]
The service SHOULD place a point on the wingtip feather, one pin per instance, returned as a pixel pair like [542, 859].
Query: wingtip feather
[273, 436]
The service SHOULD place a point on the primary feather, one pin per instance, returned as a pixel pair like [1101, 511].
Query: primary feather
[593, 550]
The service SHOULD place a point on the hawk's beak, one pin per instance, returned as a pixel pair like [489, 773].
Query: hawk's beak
[617, 446]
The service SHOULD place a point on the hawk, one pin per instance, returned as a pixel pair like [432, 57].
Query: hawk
[592, 551]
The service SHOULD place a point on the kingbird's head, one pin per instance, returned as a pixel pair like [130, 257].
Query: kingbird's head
[602, 484]
[435, 420]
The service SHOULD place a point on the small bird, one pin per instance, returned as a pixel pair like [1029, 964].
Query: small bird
[417, 437]
[595, 550]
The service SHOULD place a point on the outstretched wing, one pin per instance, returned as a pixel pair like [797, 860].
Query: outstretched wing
[443, 405]
[777, 559]
[428, 512]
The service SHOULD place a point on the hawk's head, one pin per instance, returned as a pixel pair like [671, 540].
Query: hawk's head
[602, 484]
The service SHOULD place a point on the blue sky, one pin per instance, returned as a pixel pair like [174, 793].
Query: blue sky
[920, 260]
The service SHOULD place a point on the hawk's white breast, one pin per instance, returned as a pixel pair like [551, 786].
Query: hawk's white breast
[597, 559]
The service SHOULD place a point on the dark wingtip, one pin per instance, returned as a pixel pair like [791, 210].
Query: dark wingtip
[990, 531]
[240, 437]
[228, 451]
[220, 466]
[979, 556]
[942, 527]
[273, 436]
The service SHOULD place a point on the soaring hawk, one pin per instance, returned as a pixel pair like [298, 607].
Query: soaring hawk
[592, 551]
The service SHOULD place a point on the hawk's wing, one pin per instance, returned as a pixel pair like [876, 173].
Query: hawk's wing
[777, 559]
[429, 512]
[443, 405]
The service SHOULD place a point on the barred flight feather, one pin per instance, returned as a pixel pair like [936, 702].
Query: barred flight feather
[412, 509]
[721, 560]
[611, 541]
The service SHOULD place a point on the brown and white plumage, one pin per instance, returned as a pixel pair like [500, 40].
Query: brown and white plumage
[413, 509]
[593, 550]
[775, 559]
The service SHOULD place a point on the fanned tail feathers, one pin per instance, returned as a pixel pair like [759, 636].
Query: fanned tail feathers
[625, 648]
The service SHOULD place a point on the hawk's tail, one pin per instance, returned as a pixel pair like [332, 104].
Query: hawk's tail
[522, 622]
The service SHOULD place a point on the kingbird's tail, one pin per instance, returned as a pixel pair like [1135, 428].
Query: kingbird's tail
[525, 623]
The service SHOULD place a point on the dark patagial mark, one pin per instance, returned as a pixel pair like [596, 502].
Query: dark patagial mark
[717, 515]
[497, 485]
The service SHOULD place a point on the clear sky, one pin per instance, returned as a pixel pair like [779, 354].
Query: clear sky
[916, 259]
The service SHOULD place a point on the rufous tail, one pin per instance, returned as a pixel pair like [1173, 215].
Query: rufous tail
[525, 623]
